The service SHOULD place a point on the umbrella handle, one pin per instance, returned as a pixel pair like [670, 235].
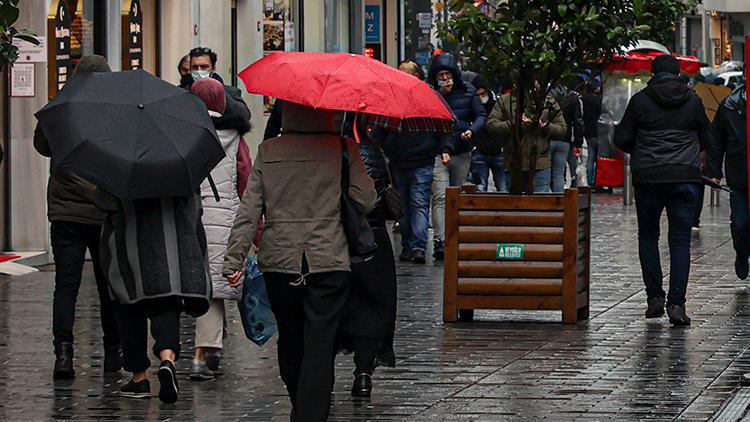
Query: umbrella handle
[213, 188]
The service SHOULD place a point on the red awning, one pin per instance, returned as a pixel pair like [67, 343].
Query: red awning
[640, 61]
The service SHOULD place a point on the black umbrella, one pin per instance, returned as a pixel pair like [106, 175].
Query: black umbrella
[131, 134]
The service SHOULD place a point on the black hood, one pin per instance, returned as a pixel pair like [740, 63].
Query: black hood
[668, 90]
[737, 102]
[444, 62]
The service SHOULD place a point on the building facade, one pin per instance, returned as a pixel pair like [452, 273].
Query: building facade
[716, 31]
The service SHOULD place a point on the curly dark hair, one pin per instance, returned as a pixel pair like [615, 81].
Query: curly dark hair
[204, 51]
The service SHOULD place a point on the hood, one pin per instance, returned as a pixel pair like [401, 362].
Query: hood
[668, 90]
[444, 62]
[299, 118]
[737, 101]
[90, 64]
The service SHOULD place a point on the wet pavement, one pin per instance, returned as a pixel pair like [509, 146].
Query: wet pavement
[507, 365]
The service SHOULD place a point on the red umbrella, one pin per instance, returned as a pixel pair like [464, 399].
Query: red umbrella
[640, 61]
[350, 82]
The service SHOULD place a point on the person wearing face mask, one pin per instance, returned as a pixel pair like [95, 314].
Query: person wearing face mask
[184, 66]
[452, 166]
[488, 156]
[203, 65]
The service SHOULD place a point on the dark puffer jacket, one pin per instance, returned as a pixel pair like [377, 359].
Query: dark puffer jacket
[372, 156]
[664, 129]
[730, 141]
[463, 101]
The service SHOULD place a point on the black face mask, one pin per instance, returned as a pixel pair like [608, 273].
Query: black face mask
[186, 80]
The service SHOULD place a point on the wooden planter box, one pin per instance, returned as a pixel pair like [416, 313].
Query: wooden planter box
[517, 252]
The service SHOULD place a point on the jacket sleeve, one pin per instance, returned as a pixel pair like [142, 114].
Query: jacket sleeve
[578, 124]
[237, 109]
[705, 132]
[557, 126]
[361, 187]
[717, 147]
[625, 131]
[247, 220]
[480, 115]
[498, 124]
[40, 142]
[273, 126]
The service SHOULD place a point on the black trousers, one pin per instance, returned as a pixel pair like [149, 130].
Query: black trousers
[69, 244]
[308, 319]
[164, 314]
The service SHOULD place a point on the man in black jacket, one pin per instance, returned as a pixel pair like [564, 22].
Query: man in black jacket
[729, 150]
[664, 129]
[452, 167]
[203, 65]
[488, 155]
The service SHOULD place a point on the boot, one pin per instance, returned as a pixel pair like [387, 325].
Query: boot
[362, 386]
[64, 362]
[112, 359]
[438, 250]
[677, 316]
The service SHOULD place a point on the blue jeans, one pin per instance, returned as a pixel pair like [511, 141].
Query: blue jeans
[481, 164]
[558, 150]
[415, 186]
[680, 200]
[541, 180]
[739, 217]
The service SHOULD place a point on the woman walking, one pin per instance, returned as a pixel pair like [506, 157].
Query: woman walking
[296, 184]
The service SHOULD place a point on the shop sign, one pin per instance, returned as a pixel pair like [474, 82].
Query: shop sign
[62, 45]
[510, 251]
[425, 20]
[135, 36]
[22, 80]
[372, 23]
[30, 53]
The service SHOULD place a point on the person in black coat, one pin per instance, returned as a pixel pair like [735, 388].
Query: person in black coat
[488, 155]
[664, 129]
[592, 109]
[452, 167]
[562, 150]
[728, 150]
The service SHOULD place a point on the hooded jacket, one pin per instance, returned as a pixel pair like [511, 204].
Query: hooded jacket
[237, 114]
[296, 184]
[69, 196]
[463, 101]
[664, 129]
[728, 148]
[487, 143]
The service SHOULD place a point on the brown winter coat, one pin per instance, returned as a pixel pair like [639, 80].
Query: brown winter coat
[498, 124]
[296, 184]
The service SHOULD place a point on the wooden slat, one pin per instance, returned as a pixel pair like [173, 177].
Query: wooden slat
[450, 273]
[509, 269]
[489, 201]
[488, 252]
[584, 202]
[509, 302]
[510, 218]
[526, 235]
[570, 257]
[510, 286]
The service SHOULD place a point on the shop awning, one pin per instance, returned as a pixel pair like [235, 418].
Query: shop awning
[640, 61]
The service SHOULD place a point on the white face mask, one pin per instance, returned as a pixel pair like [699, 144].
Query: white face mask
[200, 74]
[484, 99]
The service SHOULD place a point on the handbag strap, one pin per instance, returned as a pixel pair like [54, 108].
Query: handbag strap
[344, 165]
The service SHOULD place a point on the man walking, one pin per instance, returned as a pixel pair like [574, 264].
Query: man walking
[664, 129]
[728, 150]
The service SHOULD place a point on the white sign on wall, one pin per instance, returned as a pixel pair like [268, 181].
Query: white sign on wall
[22, 80]
[30, 53]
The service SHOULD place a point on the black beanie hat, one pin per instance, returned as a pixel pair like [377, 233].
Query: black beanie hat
[665, 64]
[480, 82]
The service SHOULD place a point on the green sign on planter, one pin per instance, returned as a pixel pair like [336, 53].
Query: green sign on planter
[510, 251]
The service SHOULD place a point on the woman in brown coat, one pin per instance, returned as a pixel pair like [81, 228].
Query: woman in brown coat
[296, 185]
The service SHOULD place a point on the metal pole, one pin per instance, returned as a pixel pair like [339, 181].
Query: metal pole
[627, 194]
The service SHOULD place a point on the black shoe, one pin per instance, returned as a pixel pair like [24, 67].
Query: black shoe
[136, 390]
[112, 359]
[677, 316]
[418, 257]
[405, 255]
[168, 389]
[655, 307]
[741, 267]
[213, 360]
[362, 385]
[64, 362]
[439, 250]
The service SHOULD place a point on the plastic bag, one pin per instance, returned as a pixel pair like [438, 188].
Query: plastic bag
[255, 307]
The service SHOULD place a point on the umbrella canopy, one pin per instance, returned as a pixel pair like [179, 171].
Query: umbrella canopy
[350, 82]
[640, 61]
[131, 134]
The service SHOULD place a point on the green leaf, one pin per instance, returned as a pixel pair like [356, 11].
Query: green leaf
[562, 9]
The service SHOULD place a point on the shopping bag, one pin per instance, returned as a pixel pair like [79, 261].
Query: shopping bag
[255, 307]
[610, 172]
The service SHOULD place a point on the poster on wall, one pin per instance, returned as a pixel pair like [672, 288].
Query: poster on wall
[135, 39]
[62, 45]
[372, 23]
[22, 80]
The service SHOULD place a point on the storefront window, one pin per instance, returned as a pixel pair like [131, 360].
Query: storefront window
[337, 26]
[279, 30]
[81, 28]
